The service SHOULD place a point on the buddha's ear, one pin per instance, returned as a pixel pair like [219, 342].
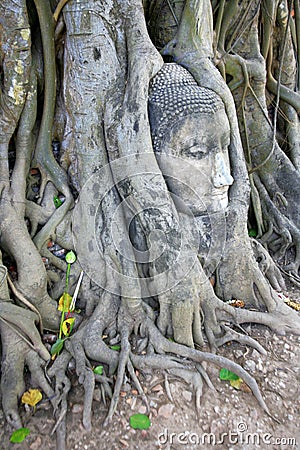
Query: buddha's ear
[240, 190]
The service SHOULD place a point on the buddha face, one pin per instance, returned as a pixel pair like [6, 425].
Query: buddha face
[201, 141]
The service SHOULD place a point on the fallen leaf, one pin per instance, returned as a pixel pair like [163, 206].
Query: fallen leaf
[239, 304]
[139, 422]
[252, 232]
[236, 303]
[116, 347]
[157, 387]
[98, 370]
[19, 435]
[293, 305]
[31, 397]
[226, 374]
[236, 383]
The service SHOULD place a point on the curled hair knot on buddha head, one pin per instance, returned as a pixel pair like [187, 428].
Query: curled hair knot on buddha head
[174, 94]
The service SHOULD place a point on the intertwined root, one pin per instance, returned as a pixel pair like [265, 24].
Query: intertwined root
[159, 353]
[142, 347]
[16, 354]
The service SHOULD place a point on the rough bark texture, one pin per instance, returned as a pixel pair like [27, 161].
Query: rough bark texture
[76, 126]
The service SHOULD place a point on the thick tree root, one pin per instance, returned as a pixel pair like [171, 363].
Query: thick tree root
[22, 322]
[164, 345]
[190, 371]
[87, 345]
[231, 335]
[282, 319]
[16, 354]
[285, 228]
[194, 380]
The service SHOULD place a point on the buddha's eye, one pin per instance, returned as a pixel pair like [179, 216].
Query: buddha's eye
[194, 150]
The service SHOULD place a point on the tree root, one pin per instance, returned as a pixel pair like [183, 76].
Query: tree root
[286, 229]
[194, 380]
[87, 345]
[180, 318]
[176, 359]
[267, 266]
[123, 360]
[23, 323]
[16, 353]
[25, 302]
[167, 346]
[232, 335]
[282, 319]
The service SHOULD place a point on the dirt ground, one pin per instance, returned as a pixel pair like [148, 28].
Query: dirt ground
[229, 418]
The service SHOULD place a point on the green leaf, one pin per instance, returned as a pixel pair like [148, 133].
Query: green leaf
[252, 232]
[57, 346]
[139, 422]
[70, 257]
[116, 347]
[225, 374]
[57, 201]
[19, 435]
[98, 370]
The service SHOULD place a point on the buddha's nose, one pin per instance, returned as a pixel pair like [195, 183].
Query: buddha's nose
[222, 175]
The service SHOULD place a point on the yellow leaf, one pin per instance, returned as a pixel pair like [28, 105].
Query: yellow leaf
[293, 305]
[236, 383]
[32, 397]
[67, 326]
[64, 302]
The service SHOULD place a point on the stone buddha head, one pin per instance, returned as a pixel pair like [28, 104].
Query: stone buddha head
[189, 123]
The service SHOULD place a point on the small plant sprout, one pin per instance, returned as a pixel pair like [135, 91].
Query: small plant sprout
[66, 304]
[70, 259]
